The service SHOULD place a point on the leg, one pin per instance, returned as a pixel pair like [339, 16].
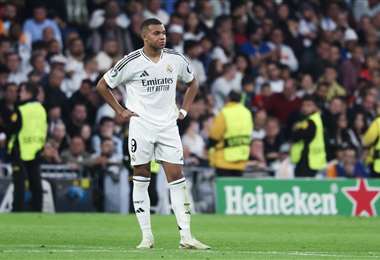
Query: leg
[140, 147]
[35, 183]
[18, 178]
[153, 194]
[141, 202]
[181, 205]
[169, 151]
[179, 197]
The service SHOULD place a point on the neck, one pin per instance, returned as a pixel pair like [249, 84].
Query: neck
[152, 53]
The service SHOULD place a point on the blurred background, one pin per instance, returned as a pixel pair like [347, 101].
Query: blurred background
[273, 52]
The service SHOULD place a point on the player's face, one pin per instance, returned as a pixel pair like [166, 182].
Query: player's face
[155, 36]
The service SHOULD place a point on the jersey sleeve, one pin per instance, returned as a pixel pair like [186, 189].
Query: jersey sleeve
[118, 74]
[186, 73]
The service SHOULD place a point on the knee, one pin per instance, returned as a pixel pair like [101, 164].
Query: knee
[142, 170]
[173, 176]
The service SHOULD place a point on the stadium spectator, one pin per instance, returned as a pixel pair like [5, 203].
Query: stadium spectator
[330, 77]
[229, 81]
[193, 29]
[34, 27]
[77, 157]
[175, 38]
[106, 130]
[28, 131]
[282, 105]
[54, 95]
[349, 166]
[153, 10]
[283, 53]
[194, 146]
[51, 153]
[257, 49]
[79, 117]
[8, 107]
[273, 140]
[308, 151]
[257, 159]
[193, 51]
[230, 137]
[17, 73]
[109, 54]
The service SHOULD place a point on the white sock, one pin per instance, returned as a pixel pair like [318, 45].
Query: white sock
[141, 204]
[181, 206]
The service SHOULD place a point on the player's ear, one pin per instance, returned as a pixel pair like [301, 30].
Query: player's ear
[143, 33]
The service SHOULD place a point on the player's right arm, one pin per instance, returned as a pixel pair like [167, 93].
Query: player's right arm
[111, 79]
[106, 93]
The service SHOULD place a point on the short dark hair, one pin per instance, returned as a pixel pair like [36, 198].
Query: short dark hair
[105, 139]
[189, 44]
[234, 96]
[32, 88]
[106, 119]
[150, 21]
[309, 98]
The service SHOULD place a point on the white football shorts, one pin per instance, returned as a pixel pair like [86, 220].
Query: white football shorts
[148, 142]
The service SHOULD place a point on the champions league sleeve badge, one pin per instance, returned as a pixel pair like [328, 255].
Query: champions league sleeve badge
[114, 72]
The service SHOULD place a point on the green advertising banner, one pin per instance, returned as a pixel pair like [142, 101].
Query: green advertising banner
[350, 197]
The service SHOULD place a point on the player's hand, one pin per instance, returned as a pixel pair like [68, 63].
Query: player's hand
[180, 116]
[127, 114]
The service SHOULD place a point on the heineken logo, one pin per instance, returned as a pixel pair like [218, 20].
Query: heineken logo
[349, 197]
[363, 198]
[294, 202]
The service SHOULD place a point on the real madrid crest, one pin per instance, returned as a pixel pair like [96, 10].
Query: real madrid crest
[169, 68]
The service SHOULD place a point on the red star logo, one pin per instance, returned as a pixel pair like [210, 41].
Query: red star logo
[363, 198]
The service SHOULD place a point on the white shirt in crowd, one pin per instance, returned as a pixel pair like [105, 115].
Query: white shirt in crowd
[222, 87]
[200, 74]
[160, 15]
[276, 86]
[287, 56]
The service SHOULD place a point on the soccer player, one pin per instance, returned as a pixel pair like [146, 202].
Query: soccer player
[150, 77]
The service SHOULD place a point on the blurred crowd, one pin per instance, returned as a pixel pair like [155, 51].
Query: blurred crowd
[274, 52]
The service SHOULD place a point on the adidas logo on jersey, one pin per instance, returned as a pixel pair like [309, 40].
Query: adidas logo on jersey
[144, 74]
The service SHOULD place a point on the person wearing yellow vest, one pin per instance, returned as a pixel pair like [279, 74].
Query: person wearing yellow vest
[230, 138]
[308, 151]
[371, 141]
[28, 136]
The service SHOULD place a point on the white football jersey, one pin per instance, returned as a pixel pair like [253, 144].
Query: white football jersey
[150, 86]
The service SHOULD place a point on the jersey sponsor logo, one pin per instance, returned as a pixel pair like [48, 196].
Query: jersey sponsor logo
[144, 74]
[157, 84]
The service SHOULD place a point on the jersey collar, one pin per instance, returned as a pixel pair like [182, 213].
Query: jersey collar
[146, 57]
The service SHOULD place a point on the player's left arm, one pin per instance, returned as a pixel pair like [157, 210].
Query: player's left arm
[190, 94]
[186, 75]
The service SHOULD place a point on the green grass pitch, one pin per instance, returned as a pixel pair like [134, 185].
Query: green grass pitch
[112, 236]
